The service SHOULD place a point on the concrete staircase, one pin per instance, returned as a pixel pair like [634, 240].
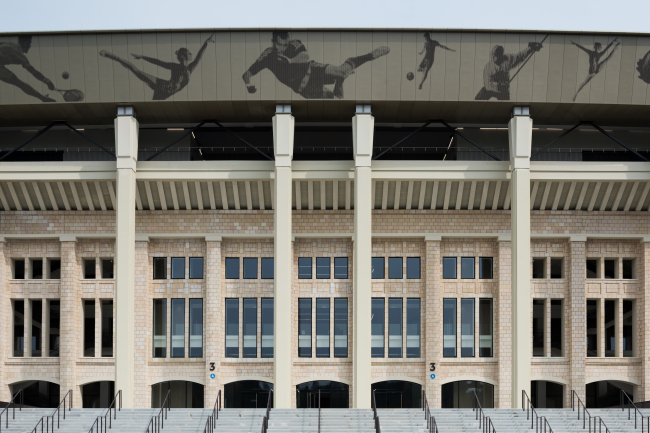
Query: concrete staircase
[332, 421]
[237, 420]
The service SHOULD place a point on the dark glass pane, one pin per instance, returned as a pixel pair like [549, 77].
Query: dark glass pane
[398, 394]
[178, 327]
[377, 267]
[178, 270]
[610, 327]
[395, 327]
[628, 320]
[232, 268]
[55, 269]
[341, 327]
[37, 269]
[184, 395]
[592, 268]
[107, 268]
[196, 327]
[19, 269]
[323, 328]
[232, 328]
[485, 268]
[159, 328]
[557, 316]
[592, 328]
[196, 268]
[304, 267]
[89, 268]
[413, 268]
[395, 268]
[341, 267]
[449, 267]
[606, 394]
[267, 327]
[304, 328]
[628, 269]
[546, 395]
[485, 331]
[539, 268]
[97, 394]
[467, 267]
[159, 268]
[89, 328]
[449, 327]
[247, 394]
[250, 326]
[460, 395]
[19, 328]
[55, 323]
[610, 268]
[250, 268]
[377, 328]
[268, 268]
[323, 267]
[539, 315]
[412, 328]
[37, 326]
[467, 327]
[107, 327]
[556, 268]
[37, 394]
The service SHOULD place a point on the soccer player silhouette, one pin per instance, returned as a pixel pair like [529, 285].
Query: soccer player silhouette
[289, 61]
[427, 61]
[180, 72]
[643, 66]
[14, 54]
[595, 64]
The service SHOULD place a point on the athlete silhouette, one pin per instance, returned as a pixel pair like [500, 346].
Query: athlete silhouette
[180, 72]
[289, 61]
[643, 66]
[14, 54]
[595, 64]
[427, 61]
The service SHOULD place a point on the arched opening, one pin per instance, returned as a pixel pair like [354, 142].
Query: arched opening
[460, 394]
[98, 394]
[184, 394]
[332, 394]
[546, 395]
[38, 393]
[246, 394]
[398, 394]
[607, 393]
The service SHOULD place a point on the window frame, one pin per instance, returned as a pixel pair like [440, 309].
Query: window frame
[395, 268]
[156, 262]
[231, 260]
[302, 266]
[338, 275]
[177, 259]
[196, 260]
[445, 275]
[379, 270]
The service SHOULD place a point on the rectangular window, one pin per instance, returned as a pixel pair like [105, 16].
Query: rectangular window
[178, 273]
[539, 314]
[610, 268]
[412, 327]
[467, 327]
[37, 269]
[196, 326]
[19, 269]
[556, 268]
[107, 327]
[89, 269]
[628, 269]
[467, 267]
[592, 269]
[449, 327]
[323, 268]
[304, 327]
[268, 268]
[160, 268]
[485, 268]
[89, 327]
[304, 268]
[413, 268]
[341, 327]
[196, 268]
[556, 327]
[449, 268]
[485, 332]
[232, 327]
[539, 268]
[377, 268]
[107, 268]
[395, 268]
[178, 326]
[160, 328]
[250, 328]
[19, 328]
[54, 269]
[267, 327]
[37, 326]
[592, 327]
[395, 327]
[232, 268]
[322, 326]
[377, 328]
[341, 268]
[610, 327]
[55, 323]
[628, 320]
[250, 268]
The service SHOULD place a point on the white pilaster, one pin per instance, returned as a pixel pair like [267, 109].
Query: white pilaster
[283, 129]
[362, 134]
[520, 131]
[126, 146]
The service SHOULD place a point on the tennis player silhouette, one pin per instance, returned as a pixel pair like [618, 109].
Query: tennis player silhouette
[14, 54]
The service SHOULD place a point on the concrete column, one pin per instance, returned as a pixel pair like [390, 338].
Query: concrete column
[71, 325]
[577, 317]
[143, 323]
[642, 316]
[432, 310]
[283, 129]
[520, 130]
[503, 325]
[126, 146]
[363, 127]
[6, 319]
[212, 318]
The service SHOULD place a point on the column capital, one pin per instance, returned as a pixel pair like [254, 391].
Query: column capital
[506, 237]
[213, 238]
[68, 238]
[432, 238]
[578, 238]
[283, 130]
[520, 137]
[363, 128]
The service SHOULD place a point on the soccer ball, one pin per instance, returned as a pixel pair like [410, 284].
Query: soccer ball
[410, 76]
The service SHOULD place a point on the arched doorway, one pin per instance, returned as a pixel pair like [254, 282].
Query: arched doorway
[38, 393]
[460, 394]
[398, 394]
[606, 393]
[245, 394]
[184, 394]
[332, 394]
[546, 395]
[98, 394]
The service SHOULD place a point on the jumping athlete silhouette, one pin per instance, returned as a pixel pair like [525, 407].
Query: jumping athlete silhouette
[594, 60]
[180, 72]
[643, 66]
[427, 62]
[14, 54]
[289, 61]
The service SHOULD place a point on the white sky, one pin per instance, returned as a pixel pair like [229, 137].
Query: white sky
[576, 15]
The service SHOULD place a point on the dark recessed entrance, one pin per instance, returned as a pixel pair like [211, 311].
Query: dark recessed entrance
[247, 394]
[98, 394]
[332, 395]
[38, 393]
[607, 393]
[398, 394]
[460, 395]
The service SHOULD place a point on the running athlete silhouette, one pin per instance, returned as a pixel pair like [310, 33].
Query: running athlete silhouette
[594, 60]
[14, 54]
[427, 62]
[180, 72]
[643, 66]
[496, 74]
[289, 61]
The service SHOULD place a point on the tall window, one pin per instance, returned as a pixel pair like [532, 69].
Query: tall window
[341, 267]
[107, 327]
[556, 268]
[160, 268]
[304, 268]
[19, 269]
[19, 328]
[250, 328]
[467, 327]
[178, 328]
[322, 268]
[304, 327]
[323, 327]
[55, 323]
[539, 268]
[268, 269]
[160, 328]
[178, 272]
[557, 316]
[628, 320]
[592, 268]
[196, 267]
[449, 327]
[341, 327]
[592, 327]
[232, 268]
[107, 268]
[89, 269]
[610, 269]
[377, 328]
[196, 326]
[449, 267]
[232, 328]
[467, 267]
[89, 328]
[37, 325]
[629, 266]
[610, 325]
[485, 268]
[54, 269]
[377, 268]
[539, 315]
[485, 327]
[37, 269]
[250, 268]
[395, 327]
[267, 327]
[395, 268]
[413, 268]
[412, 328]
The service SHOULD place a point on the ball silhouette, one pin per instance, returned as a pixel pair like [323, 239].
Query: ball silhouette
[65, 75]
[410, 76]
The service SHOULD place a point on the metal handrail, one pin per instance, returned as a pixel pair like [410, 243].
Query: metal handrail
[211, 423]
[534, 421]
[265, 420]
[47, 426]
[374, 413]
[6, 409]
[57, 411]
[319, 411]
[111, 412]
[484, 421]
[624, 399]
[601, 423]
[158, 421]
[585, 412]
[432, 426]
